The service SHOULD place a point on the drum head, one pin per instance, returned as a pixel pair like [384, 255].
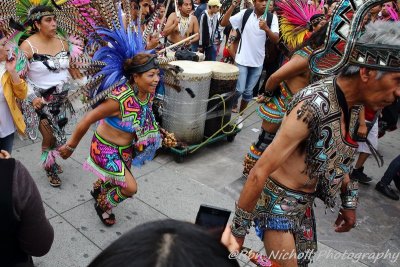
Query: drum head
[221, 70]
[192, 69]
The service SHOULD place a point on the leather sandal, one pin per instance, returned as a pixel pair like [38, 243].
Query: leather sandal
[109, 221]
[54, 180]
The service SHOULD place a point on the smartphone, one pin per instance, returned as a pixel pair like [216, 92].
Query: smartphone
[213, 219]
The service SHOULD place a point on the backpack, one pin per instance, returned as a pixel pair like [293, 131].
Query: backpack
[236, 46]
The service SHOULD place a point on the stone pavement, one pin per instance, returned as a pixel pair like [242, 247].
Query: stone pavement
[167, 189]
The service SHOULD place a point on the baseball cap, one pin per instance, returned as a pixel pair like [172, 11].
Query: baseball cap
[214, 3]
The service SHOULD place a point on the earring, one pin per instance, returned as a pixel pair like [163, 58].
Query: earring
[38, 28]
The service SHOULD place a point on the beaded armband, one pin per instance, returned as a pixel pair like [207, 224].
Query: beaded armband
[241, 222]
[350, 196]
[269, 93]
[231, 40]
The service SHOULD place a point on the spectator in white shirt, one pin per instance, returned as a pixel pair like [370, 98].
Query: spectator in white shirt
[251, 51]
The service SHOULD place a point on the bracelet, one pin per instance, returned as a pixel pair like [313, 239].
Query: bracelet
[241, 222]
[350, 196]
[69, 148]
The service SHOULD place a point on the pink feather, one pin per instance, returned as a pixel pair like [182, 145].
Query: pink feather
[76, 46]
[393, 13]
[297, 12]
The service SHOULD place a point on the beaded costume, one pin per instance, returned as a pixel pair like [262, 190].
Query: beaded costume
[329, 150]
[108, 160]
[329, 156]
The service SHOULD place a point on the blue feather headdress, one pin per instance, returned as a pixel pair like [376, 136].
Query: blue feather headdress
[123, 43]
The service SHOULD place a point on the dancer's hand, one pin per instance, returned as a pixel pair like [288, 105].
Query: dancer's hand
[234, 244]
[4, 154]
[37, 103]
[64, 152]
[345, 221]
[262, 98]
[362, 130]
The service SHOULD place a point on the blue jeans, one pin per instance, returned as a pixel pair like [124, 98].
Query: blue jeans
[6, 143]
[248, 77]
[195, 47]
[392, 172]
[210, 53]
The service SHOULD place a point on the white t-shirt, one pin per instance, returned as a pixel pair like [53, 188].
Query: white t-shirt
[252, 42]
[7, 126]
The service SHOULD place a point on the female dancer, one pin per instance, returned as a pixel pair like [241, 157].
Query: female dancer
[48, 77]
[127, 124]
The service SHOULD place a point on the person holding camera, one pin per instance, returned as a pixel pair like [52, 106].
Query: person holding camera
[12, 87]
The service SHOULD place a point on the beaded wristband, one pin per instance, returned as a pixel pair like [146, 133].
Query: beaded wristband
[69, 148]
[241, 222]
[350, 196]
[269, 93]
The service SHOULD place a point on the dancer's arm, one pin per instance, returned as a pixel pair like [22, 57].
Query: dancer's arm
[292, 132]
[108, 108]
[295, 66]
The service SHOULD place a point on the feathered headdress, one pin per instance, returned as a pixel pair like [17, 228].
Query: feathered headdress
[341, 42]
[295, 18]
[123, 44]
[16, 20]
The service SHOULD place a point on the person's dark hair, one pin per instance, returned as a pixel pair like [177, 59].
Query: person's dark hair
[138, 59]
[159, 5]
[37, 10]
[40, 9]
[203, 1]
[180, 3]
[314, 24]
[166, 243]
[316, 39]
